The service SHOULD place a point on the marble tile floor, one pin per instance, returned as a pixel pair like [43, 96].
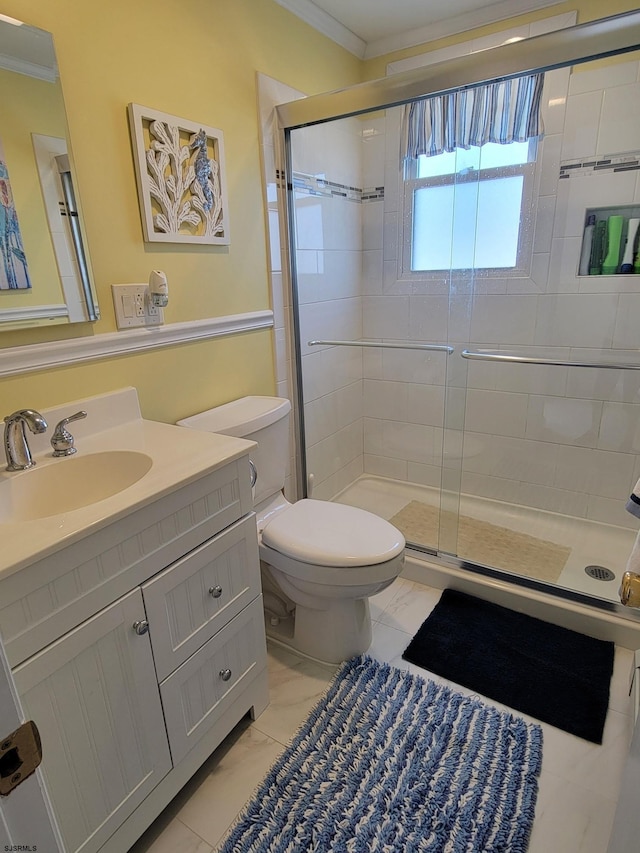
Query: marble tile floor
[579, 784]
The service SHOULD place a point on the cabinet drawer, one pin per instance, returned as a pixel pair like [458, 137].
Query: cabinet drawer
[200, 690]
[194, 598]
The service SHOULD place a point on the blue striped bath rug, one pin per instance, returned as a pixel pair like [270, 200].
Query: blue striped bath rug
[388, 761]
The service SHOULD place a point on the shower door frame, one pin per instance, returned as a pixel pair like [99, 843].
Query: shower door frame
[605, 37]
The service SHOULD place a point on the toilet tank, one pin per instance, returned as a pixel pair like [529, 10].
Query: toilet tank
[264, 420]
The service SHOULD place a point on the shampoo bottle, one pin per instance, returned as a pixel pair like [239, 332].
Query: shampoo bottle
[614, 242]
[587, 242]
[630, 247]
[598, 248]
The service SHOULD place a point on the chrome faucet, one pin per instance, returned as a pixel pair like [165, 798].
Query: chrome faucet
[62, 440]
[15, 438]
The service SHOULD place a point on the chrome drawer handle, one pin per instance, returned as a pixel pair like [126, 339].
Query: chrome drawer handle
[225, 674]
[254, 473]
[141, 627]
[215, 591]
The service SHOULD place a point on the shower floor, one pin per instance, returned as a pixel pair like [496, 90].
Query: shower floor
[591, 542]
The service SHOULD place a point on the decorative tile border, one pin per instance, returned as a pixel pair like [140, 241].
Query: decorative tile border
[317, 186]
[628, 162]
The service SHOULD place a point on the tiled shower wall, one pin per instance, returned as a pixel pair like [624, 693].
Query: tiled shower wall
[557, 438]
[328, 200]
[562, 439]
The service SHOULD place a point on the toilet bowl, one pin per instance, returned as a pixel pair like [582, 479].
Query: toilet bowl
[320, 561]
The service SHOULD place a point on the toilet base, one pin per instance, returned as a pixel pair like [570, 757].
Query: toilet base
[336, 634]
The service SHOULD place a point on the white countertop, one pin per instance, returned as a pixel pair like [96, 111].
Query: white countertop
[179, 456]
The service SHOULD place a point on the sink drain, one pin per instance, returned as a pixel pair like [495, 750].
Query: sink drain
[600, 573]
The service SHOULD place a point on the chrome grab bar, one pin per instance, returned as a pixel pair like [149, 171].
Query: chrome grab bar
[430, 347]
[524, 359]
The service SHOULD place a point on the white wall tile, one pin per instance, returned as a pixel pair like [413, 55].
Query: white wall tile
[503, 319]
[510, 458]
[586, 78]
[595, 189]
[563, 265]
[553, 500]
[490, 487]
[545, 213]
[372, 273]
[425, 404]
[340, 319]
[372, 224]
[627, 327]
[620, 427]
[385, 400]
[428, 318]
[496, 413]
[581, 469]
[554, 99]
[563, 420]
[550, 163]
[585, 320]
[425, 475]
[580, 137]
[383, 466]
[385, 317]
[610, 511]
[620, 121]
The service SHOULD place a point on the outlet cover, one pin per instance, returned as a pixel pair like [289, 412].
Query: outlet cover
[133, 307]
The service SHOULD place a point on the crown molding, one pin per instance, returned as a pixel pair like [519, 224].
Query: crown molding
[500, 11]
[48, 356]
[325, 24]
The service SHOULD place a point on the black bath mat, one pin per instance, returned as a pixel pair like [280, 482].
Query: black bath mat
[548, 672]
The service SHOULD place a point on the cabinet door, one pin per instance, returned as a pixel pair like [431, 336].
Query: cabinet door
[96, 700]
[192, 599]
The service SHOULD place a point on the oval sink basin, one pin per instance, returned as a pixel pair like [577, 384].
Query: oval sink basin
[69, 484]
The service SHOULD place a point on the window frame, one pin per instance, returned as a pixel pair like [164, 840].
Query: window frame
[524, 251]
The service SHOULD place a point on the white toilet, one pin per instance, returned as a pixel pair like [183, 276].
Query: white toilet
[320, 561]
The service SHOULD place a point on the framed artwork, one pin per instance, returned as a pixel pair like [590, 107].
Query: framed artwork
[181, 178]
[14, 273]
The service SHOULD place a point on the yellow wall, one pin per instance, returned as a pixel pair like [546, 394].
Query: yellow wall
[196, 60]
[35, 106]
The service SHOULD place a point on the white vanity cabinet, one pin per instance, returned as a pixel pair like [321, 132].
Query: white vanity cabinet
[136, 651]
[95, 699]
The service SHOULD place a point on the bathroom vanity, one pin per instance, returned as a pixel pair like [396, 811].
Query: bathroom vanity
[133, 623]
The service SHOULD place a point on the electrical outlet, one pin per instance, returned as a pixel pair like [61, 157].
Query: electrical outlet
[133, 306]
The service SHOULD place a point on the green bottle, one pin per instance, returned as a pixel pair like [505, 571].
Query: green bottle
[614, 242]
[598, 248]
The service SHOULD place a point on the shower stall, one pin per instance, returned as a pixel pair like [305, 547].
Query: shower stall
[463, 364]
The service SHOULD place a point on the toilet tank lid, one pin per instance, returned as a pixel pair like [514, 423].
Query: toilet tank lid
[240, 417]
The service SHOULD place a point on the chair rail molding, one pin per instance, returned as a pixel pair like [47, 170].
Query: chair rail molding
[47, 356]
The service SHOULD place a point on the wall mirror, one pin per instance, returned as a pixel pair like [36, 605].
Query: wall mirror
[45, 274]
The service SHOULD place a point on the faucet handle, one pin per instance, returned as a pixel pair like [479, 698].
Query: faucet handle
[62, 440]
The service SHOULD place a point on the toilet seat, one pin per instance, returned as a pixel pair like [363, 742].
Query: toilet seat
[322, 533]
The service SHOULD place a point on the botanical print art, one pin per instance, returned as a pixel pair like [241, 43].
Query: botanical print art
[181, 178]
[14, 274]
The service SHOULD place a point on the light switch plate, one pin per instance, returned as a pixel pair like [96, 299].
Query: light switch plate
[133, 306]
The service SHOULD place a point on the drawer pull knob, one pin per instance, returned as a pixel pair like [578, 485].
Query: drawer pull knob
[215, 591]
[141, 627]
[225, 674]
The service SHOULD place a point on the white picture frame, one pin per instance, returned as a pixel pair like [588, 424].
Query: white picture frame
[181, 178]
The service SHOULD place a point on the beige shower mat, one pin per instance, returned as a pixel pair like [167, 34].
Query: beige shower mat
[482, 542]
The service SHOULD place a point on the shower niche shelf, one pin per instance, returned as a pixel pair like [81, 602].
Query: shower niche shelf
[590, 241]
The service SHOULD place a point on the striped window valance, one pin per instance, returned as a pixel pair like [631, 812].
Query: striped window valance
[502, 112]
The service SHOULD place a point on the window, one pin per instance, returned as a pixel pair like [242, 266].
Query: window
[469, 159]
[468, 209]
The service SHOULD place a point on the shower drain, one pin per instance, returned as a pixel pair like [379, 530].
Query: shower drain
[600, 573]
